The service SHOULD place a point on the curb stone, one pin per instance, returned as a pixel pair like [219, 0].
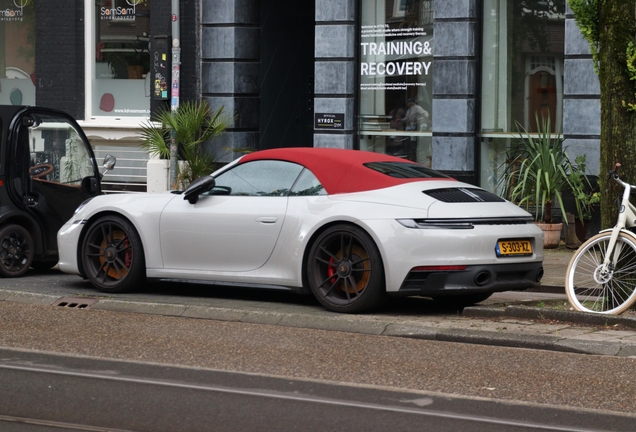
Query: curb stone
[527, 312]
[599, 343]
[480, 337]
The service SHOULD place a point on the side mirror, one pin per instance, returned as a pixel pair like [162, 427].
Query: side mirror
[109, 163]
[197, 187]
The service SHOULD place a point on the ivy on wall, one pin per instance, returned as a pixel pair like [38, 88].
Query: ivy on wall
[587, 16]
[586, 13]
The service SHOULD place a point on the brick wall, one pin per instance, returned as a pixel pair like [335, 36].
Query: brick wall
[59, 58]
[190, 48]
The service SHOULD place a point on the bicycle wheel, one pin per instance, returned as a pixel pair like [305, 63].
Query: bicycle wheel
[589, 289]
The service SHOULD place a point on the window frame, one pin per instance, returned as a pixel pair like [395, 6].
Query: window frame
[92, 119]
[245, 165]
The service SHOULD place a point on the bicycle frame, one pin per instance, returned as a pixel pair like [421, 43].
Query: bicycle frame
[626, 219]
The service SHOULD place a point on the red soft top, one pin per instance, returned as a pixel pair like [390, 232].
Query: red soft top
[338, 170]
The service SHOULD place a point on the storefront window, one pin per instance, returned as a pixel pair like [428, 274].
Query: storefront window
[120, 84]
[522, 76]
[396, 65]
[17, 52]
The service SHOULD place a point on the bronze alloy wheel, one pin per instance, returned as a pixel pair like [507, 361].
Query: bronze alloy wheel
[345, 270]
[112, 255]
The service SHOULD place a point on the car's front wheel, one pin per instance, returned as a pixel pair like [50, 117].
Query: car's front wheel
[16, 251]
[345, 270]
[112, 255]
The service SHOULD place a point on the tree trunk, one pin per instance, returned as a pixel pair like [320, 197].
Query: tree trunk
[617, 24]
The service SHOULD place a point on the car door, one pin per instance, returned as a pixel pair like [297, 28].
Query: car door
[52, 169]
[235, 226]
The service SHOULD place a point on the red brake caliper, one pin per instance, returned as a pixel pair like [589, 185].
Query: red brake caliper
[128, 258]
[331, 270]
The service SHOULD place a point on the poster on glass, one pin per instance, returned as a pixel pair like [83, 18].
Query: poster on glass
[396, 66]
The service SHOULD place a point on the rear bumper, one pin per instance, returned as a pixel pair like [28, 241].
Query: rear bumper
[477, 278]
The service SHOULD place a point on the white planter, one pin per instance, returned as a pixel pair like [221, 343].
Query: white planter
[158, 175]
[158, 171]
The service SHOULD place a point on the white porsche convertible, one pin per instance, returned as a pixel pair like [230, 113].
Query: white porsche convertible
[349, 226]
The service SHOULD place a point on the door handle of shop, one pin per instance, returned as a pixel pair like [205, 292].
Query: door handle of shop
[267, 219]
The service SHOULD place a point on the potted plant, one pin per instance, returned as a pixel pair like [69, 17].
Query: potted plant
[194, 124]
[538, 175]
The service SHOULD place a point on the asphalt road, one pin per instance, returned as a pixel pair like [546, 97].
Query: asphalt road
[68, 393]
[117, 370]
[55, 283]
[110, 359]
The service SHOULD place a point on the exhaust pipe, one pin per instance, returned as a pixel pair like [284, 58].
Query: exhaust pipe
[540, 274]
[482, 278]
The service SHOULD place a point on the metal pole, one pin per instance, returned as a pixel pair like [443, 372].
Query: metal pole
[174, 101]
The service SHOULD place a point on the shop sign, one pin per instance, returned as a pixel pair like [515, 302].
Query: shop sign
[119, 9]
[13, 10]
[395, 53]
[328, 121]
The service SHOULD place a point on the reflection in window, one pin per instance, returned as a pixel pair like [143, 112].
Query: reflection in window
[396, 58]
[522, 76]
[17, 52]
[522, 63]
[58, 153]
[307, 185]
[404, 170]
[121, 83]
[258, 178]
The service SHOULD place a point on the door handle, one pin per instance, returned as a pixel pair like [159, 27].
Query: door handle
[267, 219]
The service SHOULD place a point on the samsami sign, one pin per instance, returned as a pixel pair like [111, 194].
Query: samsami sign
[13, 10]
[124, 11]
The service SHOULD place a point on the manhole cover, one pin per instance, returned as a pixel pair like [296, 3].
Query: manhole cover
[76, 302]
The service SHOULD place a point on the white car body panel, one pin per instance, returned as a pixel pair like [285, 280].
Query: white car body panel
[220, 233]
[143, 211]
[209, 241]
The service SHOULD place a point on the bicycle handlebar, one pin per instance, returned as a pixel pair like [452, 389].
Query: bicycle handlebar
[613, 174]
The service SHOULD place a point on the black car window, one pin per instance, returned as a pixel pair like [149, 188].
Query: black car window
[307, 185]
[58, 153]
[404, 170]
[258, 178]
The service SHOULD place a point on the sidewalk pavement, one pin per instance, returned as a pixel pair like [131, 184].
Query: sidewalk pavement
[540, 319]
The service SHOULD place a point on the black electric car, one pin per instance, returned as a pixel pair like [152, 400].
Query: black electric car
[47, 169]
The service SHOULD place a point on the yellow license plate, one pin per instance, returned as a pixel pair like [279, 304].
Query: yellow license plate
[514, 248]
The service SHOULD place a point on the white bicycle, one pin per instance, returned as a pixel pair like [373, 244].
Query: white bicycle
[601, 276]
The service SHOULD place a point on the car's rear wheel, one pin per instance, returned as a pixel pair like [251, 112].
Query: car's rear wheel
[113, 256]
[16, 251]
[345, 270]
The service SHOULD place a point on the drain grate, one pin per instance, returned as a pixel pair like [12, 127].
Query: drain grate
[76, 302]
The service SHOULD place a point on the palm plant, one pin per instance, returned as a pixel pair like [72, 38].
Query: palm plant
[193, 124]
[539, 171]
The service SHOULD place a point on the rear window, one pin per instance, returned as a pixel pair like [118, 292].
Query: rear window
[404, 170]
